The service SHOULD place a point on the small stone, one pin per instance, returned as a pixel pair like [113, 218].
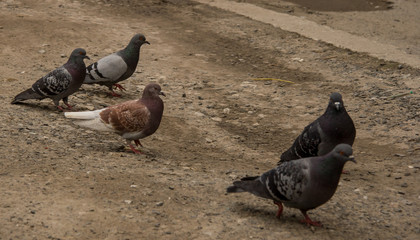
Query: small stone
[226, 110]
[404, 185]
[41, 51]
[33, 211]
[133, 186]
[399, 155]
[159, 204]
[128, 201]
[199, 114]
[200, 98]
[216, 119]
[184, 95]
[171, 188]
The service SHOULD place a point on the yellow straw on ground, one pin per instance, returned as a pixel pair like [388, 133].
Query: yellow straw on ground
[272, 79]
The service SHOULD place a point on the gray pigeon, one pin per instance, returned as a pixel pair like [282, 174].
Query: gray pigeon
[133, 120]
[116, 67]
[60, 83]
[335, 126]
[303, 184]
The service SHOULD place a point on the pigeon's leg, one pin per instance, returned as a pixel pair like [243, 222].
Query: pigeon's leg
[116, 85]
[112, 93]
[133, 148]
[61, 108]
[308, 221]
[138, 143]
[66, 101]
[280, 211]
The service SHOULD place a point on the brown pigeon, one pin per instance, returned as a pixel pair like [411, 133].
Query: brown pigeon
[133, 120]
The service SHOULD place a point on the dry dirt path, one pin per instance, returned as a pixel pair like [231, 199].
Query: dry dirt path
[59, 181]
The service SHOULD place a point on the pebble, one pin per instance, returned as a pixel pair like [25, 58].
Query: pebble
[159, 204]
[41, 51]
[216, 119]
[133, 186]
[199, 114]
[226, 110]
[128, 201]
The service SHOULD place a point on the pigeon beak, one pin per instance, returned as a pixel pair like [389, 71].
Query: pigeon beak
[351, 158]
[147, 42]
[162, 93]
[337, 105]
[87, 57]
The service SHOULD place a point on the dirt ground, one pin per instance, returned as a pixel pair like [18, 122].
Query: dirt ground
[59, 181]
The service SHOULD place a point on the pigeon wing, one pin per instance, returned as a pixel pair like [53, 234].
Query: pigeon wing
[107, 69]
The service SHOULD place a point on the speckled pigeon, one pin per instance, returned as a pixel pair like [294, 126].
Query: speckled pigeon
[322, 135]
[60, 83]
[116, 67]
[133, 120]
[303, 184]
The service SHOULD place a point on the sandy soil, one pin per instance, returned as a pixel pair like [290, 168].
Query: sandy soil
[59, 181]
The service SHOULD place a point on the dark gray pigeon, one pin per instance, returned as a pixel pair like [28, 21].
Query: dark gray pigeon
[335, 126]
[116, 67]
[133, 120]
[60, 83]
[303, 184]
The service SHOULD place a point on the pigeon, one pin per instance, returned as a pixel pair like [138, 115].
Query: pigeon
[133, 120]
[60, 83]
[116, 67]
[335, 126]
[304, 183]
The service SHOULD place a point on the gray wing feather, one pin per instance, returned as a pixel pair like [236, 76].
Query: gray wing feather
[107, 69]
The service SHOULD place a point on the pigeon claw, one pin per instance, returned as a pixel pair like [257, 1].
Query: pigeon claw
[116, 85]
[114, 94]
[68, 106]
[135, 150]
[308, 221]
[280, 211]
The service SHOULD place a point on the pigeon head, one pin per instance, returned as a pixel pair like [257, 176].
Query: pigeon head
[138, 40]
[79, 53]
[152, 90]
[344, 152]
[336, 101]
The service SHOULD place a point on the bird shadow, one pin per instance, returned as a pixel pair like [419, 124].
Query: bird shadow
[39, 106]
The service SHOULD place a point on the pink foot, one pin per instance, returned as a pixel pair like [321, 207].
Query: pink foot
[68, 106]
[61, 108]
[135, 150]
[308, 221]
[116, 85]
[114, 94]
[280, 211]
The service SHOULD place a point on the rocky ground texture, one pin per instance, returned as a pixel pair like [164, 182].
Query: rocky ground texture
[59, 181]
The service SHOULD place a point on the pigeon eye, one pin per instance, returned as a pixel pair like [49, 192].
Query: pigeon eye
[81, 53]
[341, 153]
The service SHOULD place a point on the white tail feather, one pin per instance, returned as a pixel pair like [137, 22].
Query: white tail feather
[83, 115]
[95, 124]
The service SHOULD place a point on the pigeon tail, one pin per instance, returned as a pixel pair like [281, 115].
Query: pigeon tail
[89, 119]
[252, 185]
[95, 124]
[25, 95]
[87, 115]
[234, 189]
